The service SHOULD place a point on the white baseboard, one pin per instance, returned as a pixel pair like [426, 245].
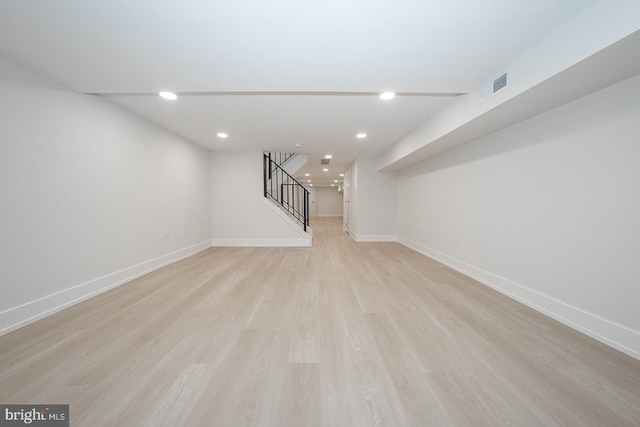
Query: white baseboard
[610, 333]
[375, 238]
[16, 317]
[263, 243]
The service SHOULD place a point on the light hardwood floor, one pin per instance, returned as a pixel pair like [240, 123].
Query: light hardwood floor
[340, 334]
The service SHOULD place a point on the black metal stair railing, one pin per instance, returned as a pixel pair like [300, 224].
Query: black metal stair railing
[280, 158]
[284, 189]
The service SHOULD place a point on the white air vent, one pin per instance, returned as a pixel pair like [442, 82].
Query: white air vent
[495, 86]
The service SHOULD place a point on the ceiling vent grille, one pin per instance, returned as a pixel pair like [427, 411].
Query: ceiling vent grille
[324, 161]
[500, 82]
[495, 86]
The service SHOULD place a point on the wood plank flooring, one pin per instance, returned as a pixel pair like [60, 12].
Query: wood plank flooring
[340, 334]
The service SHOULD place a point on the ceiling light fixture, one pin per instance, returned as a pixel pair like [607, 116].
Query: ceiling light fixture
[385, 96]
[168, 95]
[328, 156]
[306, 174]
[222, 135]
[325, 170]
[341, 174]
[361, 135]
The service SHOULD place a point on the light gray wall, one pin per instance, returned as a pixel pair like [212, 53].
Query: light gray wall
[373, 202]
[351, 180]
[91, 195]
[328, 202]
[546, 211]
[240, 215]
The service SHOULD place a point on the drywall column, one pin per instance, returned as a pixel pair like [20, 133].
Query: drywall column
[373, 200]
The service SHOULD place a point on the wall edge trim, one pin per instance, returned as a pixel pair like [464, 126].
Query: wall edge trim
[606, 331]
[16, 317]
[262, 243]
[376, 238]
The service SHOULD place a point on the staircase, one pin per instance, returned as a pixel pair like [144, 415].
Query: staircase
[280, 186]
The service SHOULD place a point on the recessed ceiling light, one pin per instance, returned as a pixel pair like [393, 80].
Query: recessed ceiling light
[341, 174]
[310, 185]
[387, 95]
[335, 180]
[361, 135]
[168, 95]
[222, 135]
[308, 180]
[306, 174]
[332, 185]
[298, 145]
[325, 170]
[328, 156]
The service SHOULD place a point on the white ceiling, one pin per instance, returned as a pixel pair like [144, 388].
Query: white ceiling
[137, 48]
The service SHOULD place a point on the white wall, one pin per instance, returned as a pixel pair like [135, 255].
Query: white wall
[546, 211]
[312, 201]
[240, 215]
[373, 199]
[91, 195]
[351, 178]
[346, 199]
[328, 202]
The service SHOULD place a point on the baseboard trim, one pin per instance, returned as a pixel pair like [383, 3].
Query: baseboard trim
[24, 314]
[262, 243]
[375, 238]
[610, 333]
